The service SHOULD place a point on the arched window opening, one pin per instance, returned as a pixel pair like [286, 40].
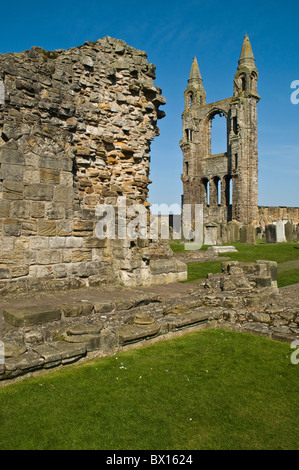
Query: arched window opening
[187, 168]
[228, 190]
[230, 199]
[235, 125]
[208, 193]
[205, 192]
[254, 82]
[190, 99]
[218, 134]
[189, 135]
[243, 83]
[218, 186]
[236, 161]
[215, 192]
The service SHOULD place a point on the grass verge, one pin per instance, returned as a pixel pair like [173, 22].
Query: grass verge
[210, 390]
[280, 252]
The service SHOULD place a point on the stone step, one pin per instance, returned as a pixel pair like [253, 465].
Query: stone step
[132, 333]
[30, 316]
[222, 249]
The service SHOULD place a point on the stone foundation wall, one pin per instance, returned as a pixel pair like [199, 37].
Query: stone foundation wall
[243, 297]
[75, 132]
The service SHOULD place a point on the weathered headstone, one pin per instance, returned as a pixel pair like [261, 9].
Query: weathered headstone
[248, 235]
[259, 233]
[271, 233]
[224, 233]
[236, 232]
[289, 228]
[280, 233]
[210, 234]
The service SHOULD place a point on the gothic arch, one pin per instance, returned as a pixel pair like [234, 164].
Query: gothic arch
[207, 127]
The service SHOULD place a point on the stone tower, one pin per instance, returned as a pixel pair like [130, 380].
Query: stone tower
[226, 184]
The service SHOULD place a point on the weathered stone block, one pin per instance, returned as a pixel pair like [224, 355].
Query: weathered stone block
[13, 190]
[37, 210]
[39, 192]
[4, 208]
[12, 172]
[11, 228]
[49, 176]
[29, 316]
[56, 242]
[4, 273]
[260, 317]
[20, 209]
[49, 256]
[50, 356]
[77, 309]
[82, 228]
[69, 352]
[74, 242]
[81, 255]
[104, 306]
[19, 271]
[133, 333]
[46, 228]
[11, 156]
[63, 194]
[51, 163]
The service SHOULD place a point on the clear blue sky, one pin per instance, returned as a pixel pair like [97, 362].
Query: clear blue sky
[172, 32]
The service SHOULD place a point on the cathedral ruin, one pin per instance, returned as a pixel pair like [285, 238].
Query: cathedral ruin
[75, 133]
[209, 179]
[226, 184]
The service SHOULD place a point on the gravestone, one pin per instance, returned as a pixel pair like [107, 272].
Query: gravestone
[271, 233]
[211, 234]
[248, 235]
[289, 228]
[224, 233]
[280, 232]
[259, 233]
[236, 229]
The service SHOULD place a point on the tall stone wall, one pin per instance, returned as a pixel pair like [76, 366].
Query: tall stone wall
[270, 214]
[225, 184]
[75, 132]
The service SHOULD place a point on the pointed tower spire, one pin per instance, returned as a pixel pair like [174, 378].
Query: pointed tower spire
[247, 57]
[247, 74]
[194, 73]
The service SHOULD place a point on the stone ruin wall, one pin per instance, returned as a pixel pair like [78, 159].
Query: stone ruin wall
[269, 214]
[243, 297]
[75, 132]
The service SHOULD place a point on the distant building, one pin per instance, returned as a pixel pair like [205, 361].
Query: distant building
[226, 184]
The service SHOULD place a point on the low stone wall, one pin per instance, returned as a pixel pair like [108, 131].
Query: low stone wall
[243, 297]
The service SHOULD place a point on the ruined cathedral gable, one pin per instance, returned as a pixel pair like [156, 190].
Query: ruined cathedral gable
[225, 184]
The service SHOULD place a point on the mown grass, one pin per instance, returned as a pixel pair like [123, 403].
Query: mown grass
[280, 252]
[208, 390]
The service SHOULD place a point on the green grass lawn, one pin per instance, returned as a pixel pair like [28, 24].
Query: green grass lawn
[280, 252]
[207, 390]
